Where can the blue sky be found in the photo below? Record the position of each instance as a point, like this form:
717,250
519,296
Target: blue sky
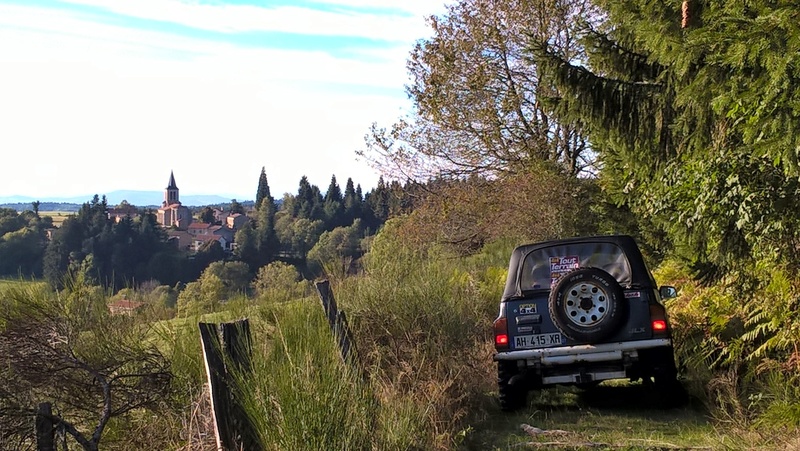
105,95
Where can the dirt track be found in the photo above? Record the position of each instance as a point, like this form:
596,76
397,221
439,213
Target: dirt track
619,416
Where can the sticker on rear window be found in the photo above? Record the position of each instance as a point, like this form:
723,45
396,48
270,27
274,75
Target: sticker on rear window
562,265
527,309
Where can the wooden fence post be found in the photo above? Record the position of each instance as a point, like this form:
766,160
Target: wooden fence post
45,432
338,323
226,349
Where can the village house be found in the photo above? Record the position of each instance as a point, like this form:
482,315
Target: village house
122,211
188,235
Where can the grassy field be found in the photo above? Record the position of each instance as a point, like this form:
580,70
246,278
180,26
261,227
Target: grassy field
7,283
58,216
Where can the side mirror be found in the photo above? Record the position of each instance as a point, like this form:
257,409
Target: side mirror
668,292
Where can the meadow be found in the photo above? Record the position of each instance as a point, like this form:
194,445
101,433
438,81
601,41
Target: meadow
425,380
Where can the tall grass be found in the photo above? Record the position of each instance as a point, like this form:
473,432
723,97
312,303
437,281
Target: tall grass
422,322
300,395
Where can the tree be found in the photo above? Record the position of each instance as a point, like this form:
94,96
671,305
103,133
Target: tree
235,276
336,249
202,296
10,221
93,367
207,215
236,207
352,203
378,202
308,202
278,281
21,252
263,193
247,245
695,124
334,205
297,235
266,241
476,95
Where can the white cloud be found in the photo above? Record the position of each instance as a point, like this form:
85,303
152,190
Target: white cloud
88,107
230,18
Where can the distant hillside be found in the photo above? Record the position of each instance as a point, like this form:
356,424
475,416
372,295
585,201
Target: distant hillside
138,198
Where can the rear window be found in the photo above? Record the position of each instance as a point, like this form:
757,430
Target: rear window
543,267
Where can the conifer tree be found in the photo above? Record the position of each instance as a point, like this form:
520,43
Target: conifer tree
694,120
334,206
352,202
263,188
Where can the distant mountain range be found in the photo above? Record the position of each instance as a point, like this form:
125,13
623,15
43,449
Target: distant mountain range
137,198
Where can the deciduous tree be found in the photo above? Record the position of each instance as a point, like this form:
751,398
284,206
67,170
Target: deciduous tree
477,95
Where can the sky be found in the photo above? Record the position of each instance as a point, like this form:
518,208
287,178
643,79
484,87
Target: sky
105,95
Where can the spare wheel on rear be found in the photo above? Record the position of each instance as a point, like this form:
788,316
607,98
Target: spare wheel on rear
587,305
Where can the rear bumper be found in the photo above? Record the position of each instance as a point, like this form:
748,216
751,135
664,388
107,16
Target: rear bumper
566,355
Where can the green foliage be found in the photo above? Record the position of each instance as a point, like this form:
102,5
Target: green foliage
279,282
198,298
297,234
420,316
694,126
22,243
737,343
773,327
121,252
234,276
301,396
336,250
263,192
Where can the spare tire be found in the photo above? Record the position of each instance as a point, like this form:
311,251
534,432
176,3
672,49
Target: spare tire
587,305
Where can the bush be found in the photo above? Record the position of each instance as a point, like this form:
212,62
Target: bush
279,282
421,318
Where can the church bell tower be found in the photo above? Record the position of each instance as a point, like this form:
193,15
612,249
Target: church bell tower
171,193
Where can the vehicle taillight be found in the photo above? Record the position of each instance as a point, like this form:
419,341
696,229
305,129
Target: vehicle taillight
501,333
658,319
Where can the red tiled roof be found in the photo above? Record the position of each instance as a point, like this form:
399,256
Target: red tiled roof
199,225
209,237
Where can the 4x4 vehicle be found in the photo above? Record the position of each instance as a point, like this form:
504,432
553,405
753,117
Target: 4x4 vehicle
579,311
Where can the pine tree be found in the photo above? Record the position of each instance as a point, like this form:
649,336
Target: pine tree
695,123
334,206
352,203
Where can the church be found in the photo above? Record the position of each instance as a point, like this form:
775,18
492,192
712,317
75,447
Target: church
172,213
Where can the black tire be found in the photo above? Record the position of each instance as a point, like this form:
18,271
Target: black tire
587,386
511,396
587,305
669,390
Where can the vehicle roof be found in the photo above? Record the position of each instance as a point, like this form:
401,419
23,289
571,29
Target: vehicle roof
640,275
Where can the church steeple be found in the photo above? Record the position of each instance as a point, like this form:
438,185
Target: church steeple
171,193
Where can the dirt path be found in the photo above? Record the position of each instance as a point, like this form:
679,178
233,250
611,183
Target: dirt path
621,416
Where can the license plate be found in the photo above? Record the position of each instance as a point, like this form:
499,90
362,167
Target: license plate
537,341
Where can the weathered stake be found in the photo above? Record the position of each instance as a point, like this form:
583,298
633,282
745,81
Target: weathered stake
338,323
222,359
